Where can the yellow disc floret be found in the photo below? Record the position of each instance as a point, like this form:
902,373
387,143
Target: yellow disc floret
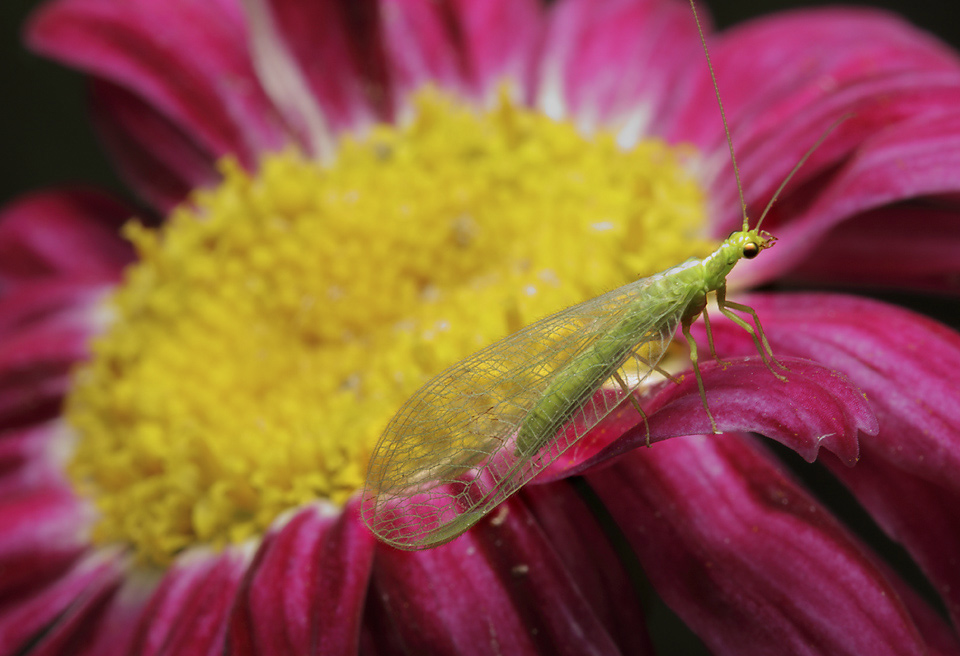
275,323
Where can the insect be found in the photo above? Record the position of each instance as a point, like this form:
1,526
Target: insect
476,433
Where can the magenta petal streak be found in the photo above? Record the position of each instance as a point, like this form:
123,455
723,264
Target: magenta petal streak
748,560
815,407
187,612
305,589
909,368
503,587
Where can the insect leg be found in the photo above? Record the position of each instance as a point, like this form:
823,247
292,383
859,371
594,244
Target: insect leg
763,346
713,351
663,372
685,324
634,402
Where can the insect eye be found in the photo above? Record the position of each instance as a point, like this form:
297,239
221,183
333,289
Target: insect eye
750,250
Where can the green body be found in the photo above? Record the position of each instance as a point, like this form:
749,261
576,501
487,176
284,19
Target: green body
677,295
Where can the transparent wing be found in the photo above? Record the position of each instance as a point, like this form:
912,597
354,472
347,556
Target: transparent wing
476,433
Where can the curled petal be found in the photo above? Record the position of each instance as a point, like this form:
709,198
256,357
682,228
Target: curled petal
747,559
304,591
907,365
500,588
814,407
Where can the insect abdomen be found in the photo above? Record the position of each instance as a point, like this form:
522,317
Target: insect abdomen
576,384
651,319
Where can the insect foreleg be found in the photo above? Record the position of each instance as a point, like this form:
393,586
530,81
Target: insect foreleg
634,402
759,339
694,359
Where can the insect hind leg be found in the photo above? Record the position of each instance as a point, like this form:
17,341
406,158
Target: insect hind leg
655,367
759,338
695,360
633,400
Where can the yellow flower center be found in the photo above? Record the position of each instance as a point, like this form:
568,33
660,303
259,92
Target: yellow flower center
273,326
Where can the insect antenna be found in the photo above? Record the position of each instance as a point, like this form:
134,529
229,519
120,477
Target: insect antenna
723,116
802,161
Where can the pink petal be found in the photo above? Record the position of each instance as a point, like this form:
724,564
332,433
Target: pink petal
916,513
496,39
188,612
469,47
748,560
806,55
581,543
816,67
815,407
907,365
335,49
422,44
196,71
54,301
72,234
502,587
79,590
914,247
44,535
31,459
909,368
941,640
106,628
305,589
912,159
615,61
99,623
34,372
40,347
153,154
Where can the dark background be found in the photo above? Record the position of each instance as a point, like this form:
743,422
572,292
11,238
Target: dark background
46,139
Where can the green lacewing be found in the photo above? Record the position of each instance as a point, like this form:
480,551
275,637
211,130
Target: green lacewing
480,430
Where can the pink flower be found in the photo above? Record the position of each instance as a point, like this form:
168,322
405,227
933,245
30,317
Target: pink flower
748,558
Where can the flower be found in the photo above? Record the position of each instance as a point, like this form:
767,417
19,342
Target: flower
197,494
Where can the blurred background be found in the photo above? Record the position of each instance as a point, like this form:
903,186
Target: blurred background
46,139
